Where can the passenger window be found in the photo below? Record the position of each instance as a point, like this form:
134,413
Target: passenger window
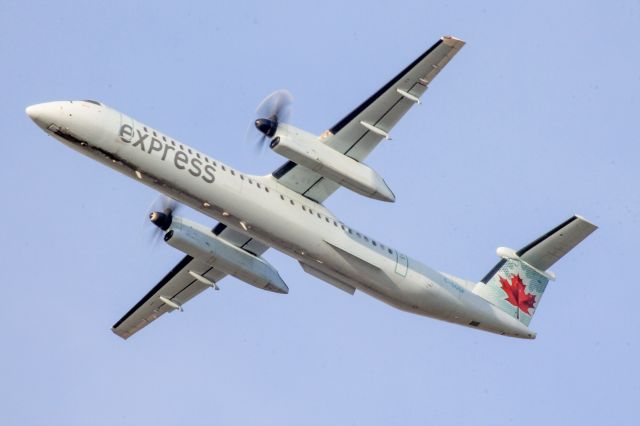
358,234
145,129
181,147
319,216
251,181
366,239
327,219
216,164
223,168
310,211
154,133
374,243
233,172
266,189
258,185
198,154
350,230
190,153
282,197
164,138
343,228
335,223
173,142
241,177
304,208
390,251
292,203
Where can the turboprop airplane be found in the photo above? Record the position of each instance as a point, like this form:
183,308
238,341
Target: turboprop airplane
285,210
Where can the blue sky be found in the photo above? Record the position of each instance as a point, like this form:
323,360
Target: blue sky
533,121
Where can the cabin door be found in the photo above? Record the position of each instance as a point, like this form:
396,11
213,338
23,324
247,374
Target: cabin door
402,264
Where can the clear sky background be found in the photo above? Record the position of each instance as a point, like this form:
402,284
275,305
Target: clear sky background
534,120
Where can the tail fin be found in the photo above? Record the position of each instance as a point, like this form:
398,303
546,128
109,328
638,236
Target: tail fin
517,282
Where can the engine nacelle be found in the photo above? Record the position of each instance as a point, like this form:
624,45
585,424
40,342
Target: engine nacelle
304,148
199,242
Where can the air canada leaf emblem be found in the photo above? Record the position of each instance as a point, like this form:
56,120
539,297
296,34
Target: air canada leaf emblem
517,295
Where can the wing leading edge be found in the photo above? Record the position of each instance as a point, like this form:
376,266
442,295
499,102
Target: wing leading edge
178,287
181,285
360,131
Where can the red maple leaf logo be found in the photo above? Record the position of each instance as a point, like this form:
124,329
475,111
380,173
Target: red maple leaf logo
517,295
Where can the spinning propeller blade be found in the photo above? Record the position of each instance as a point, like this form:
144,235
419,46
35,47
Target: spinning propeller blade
160,214
274,109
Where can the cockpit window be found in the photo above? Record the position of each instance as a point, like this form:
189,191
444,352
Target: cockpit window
92,102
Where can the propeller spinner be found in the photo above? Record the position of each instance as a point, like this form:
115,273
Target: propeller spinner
274,109
161,215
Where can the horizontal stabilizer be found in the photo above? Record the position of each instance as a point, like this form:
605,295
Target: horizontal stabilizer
549,248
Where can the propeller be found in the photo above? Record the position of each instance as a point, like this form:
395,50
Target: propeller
274,109
161,215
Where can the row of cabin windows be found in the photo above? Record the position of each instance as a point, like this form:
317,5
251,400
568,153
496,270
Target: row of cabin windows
335,223
242,177
198,155
304,208
248,179
319,215
310,210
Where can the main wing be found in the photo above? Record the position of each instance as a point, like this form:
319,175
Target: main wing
357,134
180,285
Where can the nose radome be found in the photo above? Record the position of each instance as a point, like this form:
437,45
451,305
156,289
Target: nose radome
33,111
41,114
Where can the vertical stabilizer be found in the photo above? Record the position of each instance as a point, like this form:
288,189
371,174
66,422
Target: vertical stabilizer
517,282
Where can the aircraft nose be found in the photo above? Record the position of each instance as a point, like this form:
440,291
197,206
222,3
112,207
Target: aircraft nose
33,111
40,114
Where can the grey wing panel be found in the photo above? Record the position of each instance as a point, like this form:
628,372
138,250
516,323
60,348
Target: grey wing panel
382,110
305,182
239,239
549,248
385,107
178,286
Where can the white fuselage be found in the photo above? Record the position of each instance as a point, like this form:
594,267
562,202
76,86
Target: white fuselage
271,213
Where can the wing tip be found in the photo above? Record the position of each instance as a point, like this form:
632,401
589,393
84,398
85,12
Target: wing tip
452,41
120,333
586,221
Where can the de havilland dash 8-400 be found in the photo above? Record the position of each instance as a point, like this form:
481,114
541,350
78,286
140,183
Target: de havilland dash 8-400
285,210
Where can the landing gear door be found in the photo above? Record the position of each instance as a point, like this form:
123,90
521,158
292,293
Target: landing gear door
402,264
